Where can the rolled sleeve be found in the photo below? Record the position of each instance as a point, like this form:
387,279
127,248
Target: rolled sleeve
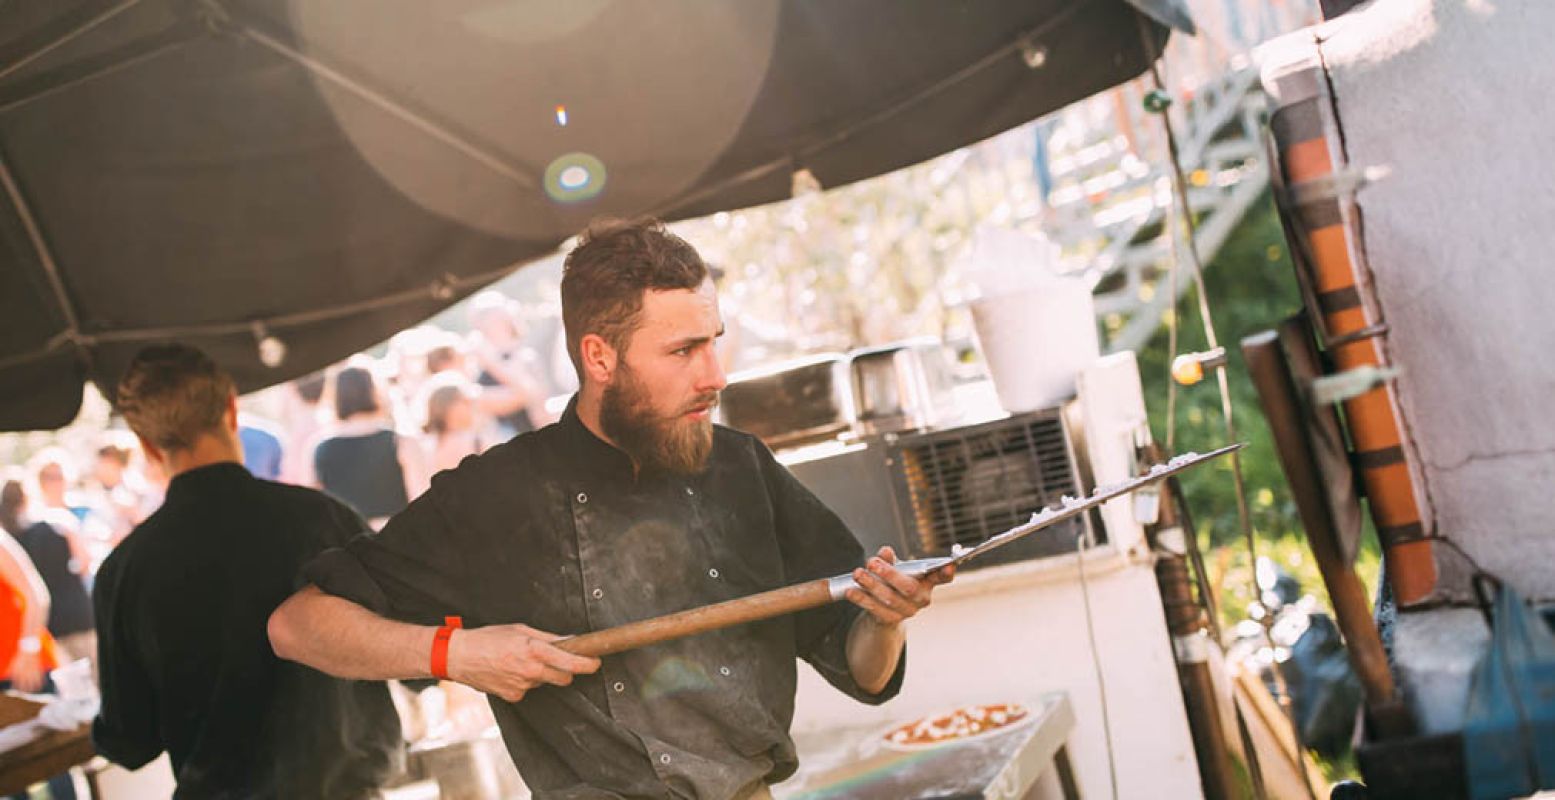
126,729
412,571
340,572
829,657
816,543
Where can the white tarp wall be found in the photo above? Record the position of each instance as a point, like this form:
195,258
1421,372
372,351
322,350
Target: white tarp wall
1454,98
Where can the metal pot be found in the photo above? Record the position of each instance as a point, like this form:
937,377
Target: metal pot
904,386
795,403
468,769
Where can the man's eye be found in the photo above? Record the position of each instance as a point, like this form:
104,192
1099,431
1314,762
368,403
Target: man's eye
684,351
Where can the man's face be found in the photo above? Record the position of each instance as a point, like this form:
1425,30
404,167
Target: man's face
108,472
499,327
51,484
461,415
659,402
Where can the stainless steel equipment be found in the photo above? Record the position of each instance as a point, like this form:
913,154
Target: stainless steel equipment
790,404
467,769
925,493
904,386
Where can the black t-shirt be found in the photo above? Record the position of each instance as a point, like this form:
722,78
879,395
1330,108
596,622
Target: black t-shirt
364,471
70,607
185,658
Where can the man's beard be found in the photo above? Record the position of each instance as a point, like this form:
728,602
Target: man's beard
671,443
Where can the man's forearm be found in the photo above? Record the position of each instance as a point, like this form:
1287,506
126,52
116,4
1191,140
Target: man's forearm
874,649
339,637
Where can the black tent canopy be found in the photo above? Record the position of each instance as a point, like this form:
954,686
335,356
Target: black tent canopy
328,172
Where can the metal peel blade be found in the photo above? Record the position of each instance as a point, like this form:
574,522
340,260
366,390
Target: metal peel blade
1051,515
822,591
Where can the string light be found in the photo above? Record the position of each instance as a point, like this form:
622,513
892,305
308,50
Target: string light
1033,54
804,182
272,351
1189,368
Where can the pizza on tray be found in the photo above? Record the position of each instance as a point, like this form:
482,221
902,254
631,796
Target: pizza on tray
963,723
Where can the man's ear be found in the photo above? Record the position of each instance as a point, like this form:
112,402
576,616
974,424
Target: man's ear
152,452
599,358
232,413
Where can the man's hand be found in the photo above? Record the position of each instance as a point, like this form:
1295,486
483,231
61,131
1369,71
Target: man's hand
27,672
509,660
888,595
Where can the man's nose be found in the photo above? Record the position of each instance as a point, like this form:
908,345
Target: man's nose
712,377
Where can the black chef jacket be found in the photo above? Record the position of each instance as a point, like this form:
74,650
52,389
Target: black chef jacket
555,530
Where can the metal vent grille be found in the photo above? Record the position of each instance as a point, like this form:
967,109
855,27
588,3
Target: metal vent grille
967,484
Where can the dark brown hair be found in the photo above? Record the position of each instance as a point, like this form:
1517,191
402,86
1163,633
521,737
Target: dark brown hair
310,387
605,276
12,499
441,357
355,392
441,394
171,394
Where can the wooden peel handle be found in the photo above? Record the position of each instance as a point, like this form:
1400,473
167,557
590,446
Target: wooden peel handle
756,607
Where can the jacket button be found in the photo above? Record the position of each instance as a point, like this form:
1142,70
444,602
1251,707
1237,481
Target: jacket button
582,498
619,686
664,759
712,573
598,593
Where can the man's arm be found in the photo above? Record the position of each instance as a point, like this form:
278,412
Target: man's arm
859,653
339,637
127,730
334,635
874,649
876,639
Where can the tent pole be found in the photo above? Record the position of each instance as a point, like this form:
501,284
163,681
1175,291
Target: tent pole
41,247
60,80
67,38
382,101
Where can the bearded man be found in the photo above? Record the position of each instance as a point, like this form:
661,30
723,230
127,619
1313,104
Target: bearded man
632,505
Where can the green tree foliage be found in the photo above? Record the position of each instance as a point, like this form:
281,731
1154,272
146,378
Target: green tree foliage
1252,287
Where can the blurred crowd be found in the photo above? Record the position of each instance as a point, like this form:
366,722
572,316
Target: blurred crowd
372,431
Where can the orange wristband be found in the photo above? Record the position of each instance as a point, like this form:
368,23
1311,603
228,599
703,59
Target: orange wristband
440,646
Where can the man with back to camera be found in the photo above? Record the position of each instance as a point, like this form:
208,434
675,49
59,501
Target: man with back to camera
182,606
632,505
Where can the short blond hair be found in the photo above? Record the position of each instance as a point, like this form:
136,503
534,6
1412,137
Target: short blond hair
171,394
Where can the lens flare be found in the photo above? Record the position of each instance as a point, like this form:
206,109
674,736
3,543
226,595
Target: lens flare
575,177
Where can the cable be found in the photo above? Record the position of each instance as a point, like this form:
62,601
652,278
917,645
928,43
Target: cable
1172,226
1222,380
1101,680
1452,545
1196,558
